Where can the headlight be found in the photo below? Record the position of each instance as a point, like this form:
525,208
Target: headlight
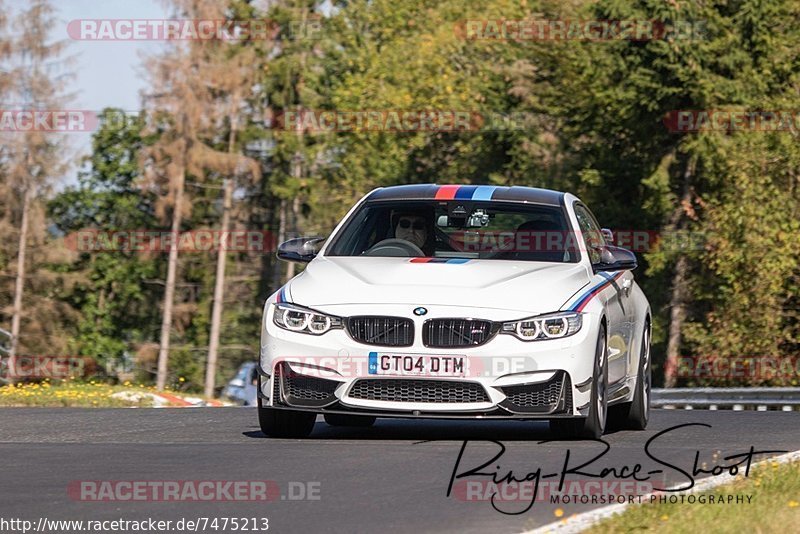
550,326
299,319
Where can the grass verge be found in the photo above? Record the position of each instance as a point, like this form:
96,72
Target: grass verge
67,393
774,507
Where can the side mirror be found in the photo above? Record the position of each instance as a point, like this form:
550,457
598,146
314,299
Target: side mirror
301,249
616,259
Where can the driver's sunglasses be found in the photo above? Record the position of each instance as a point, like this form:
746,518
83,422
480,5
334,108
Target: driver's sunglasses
405,224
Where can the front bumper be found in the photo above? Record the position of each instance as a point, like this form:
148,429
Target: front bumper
510,378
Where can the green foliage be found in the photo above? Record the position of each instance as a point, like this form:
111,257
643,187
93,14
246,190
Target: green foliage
114,292
747,284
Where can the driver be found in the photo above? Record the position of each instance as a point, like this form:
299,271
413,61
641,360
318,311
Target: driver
412,227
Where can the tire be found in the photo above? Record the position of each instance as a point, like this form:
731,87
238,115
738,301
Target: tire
634,415
594,425
283,423
335,419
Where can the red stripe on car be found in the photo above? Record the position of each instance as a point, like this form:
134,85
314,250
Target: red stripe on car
447,192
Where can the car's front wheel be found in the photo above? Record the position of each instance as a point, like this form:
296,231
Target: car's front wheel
283,423
594,425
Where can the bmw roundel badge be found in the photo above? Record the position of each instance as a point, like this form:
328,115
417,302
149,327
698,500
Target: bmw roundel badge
420,311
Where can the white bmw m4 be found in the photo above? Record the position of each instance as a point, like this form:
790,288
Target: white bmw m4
458,302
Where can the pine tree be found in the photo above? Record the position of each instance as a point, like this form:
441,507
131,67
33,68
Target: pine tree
34,159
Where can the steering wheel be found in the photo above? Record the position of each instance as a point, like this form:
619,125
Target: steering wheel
394,248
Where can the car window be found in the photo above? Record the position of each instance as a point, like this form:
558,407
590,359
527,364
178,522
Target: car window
592,236
458,229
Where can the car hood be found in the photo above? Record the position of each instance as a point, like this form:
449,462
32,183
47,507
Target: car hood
535,287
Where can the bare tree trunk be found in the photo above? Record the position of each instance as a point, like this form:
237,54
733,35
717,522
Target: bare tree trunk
219,294
169,291
19,284
677,317
679,297
219,280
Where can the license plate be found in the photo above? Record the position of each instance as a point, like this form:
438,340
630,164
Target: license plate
416,365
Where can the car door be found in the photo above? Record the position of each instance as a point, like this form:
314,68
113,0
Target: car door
616,298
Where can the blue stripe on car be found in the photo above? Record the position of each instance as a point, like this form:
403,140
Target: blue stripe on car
484,192
465,192
590,293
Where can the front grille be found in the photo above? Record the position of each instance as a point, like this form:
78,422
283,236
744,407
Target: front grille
301,390
308,387
544,396
406,390
454,333
379,330
534,395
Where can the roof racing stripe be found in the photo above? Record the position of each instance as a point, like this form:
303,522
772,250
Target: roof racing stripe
484,192
465,192
468,192
447,192
406,192
528,194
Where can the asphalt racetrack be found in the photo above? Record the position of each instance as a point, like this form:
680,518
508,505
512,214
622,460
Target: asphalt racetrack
392,477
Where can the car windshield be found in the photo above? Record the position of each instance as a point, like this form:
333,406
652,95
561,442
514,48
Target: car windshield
457,229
